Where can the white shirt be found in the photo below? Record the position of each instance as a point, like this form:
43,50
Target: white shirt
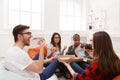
55,53
79,51
16,60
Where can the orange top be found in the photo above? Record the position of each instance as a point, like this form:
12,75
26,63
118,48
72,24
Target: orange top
117,77
33,51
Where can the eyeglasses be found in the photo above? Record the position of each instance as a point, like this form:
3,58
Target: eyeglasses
29,33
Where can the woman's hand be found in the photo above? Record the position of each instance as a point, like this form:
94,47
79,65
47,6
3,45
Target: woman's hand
65,47
53,49
54,58
65,63
50,59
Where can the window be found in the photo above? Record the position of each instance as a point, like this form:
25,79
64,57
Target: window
70,15
26,12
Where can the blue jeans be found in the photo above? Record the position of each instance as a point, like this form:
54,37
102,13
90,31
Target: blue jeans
49,68
83,64
76,67
36,57
87,56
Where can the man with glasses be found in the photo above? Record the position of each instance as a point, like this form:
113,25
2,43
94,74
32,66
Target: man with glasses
18,61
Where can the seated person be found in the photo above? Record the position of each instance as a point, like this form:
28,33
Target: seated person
106,64
77,50
18,61
54,48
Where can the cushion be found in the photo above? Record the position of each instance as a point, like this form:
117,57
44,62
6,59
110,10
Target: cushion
117,77
8,75
2,65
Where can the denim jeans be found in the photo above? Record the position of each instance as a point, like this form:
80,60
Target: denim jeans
83,64
49,70
79,67
76,67
36,57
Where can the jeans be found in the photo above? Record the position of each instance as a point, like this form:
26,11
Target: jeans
49,70
83,64
36,57
76,67
87,56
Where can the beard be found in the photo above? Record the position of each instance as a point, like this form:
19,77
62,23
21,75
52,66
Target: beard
26,42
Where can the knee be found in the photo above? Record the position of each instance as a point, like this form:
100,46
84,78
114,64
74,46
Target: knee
56,62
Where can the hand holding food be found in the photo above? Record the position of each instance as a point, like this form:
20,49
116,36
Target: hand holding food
53,49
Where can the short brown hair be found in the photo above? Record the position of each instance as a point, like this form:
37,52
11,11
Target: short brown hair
18,29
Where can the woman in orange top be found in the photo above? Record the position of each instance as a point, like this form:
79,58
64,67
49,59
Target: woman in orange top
35,50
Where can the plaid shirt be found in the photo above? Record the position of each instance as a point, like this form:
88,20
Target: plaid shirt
90,73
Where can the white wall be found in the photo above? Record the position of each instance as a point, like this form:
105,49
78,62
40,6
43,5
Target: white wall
51,15
51,23
111,20
6,40
1,12
111,8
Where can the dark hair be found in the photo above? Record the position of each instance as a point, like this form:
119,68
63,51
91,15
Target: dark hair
108,61
53,42
76,37
88,46
18,30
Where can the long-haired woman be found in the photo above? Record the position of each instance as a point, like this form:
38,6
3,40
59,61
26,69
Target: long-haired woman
106,64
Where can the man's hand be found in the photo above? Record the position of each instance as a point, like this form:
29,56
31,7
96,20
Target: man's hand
41,42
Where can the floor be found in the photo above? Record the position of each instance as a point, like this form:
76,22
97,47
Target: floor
62,78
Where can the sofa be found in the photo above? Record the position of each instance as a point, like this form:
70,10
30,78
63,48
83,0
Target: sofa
8,75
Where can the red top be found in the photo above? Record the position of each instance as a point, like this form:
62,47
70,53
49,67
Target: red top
90,73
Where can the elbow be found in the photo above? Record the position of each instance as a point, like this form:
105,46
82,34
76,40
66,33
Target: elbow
39,70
